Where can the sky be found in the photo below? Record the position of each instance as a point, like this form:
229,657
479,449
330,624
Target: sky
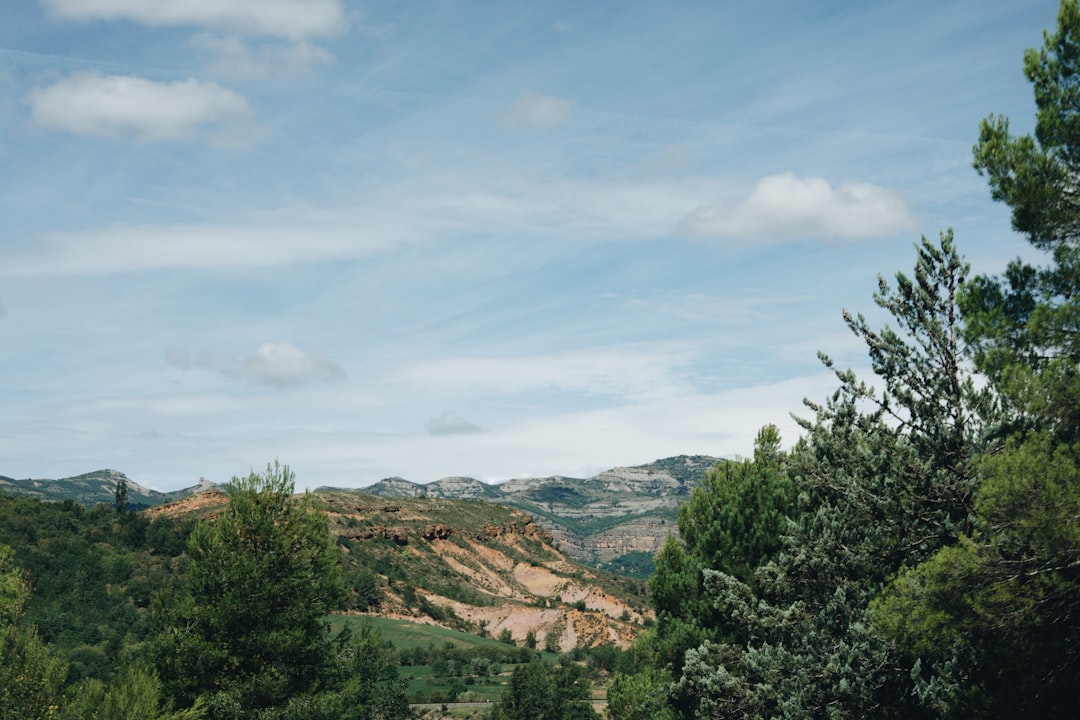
429,238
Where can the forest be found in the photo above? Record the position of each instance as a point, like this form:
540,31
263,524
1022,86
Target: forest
914,554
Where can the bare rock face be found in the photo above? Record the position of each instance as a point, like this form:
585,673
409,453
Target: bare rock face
482,567
645,535
399,535
619,511
459,488
437,532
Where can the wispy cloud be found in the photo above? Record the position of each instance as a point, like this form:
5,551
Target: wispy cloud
537,111
293,19
374,222
450,423
117,105
784,207
276,364
623,372
233,58
133,248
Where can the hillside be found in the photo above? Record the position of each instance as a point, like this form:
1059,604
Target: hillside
617,519
465,564
621,512
94,487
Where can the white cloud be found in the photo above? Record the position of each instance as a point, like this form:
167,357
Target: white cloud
234,58
115,105
788,207
450,423
133,248
539,111
277,364
293,19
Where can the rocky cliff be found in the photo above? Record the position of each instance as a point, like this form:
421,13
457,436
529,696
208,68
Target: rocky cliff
620,511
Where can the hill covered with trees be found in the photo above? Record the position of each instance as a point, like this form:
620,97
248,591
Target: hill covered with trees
172,607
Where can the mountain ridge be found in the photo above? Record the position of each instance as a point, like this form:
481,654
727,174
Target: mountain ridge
618,512
623,511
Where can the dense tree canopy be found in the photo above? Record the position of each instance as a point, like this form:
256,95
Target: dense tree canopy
244,629
538,691
931,566
31,675
998,616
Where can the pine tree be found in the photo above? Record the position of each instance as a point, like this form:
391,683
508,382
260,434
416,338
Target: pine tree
884,478
245,626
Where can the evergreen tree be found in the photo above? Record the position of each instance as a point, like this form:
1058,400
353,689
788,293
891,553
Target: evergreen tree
884,479
731,522
538,691
996,619
120,497
245,625
135,692
1037,176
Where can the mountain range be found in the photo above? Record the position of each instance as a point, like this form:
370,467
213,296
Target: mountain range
617,519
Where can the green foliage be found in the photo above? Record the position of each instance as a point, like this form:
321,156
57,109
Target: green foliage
994,618
733,522
370,687
1036,176
120,497
133,693
639,696
538,691
560,494
639,686
637,564
93,575
31,675
885,478
244,627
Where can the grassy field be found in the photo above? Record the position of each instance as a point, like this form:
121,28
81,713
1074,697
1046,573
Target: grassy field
407,635
438,682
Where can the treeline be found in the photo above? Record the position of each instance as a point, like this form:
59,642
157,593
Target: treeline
107,615
90,576
916,554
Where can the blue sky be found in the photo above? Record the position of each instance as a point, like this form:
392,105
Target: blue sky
442,238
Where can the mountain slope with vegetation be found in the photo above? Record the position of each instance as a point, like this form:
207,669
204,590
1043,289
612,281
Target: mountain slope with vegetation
92,488
617,519
611,519
146,608
471,565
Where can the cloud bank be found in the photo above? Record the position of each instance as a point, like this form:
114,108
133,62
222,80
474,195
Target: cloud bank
275,364
293,19
787,207
115,105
